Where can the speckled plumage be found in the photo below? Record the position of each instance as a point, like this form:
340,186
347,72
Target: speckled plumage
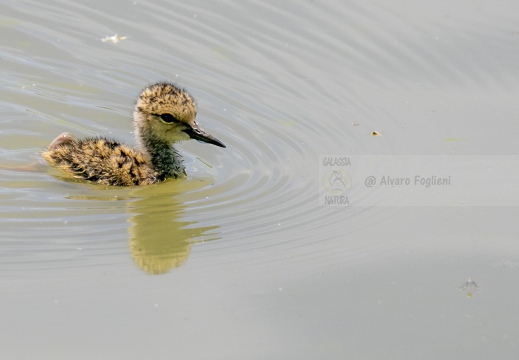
164,114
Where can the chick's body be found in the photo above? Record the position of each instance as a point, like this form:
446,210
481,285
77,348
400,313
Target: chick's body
103,161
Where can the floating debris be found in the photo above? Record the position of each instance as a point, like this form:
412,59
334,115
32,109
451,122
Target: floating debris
115,38
375,133
469,287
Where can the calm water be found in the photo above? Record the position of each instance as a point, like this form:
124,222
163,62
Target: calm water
240,261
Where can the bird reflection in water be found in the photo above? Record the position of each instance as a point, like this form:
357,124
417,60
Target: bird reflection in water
159,239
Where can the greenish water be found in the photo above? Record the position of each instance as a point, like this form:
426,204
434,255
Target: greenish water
240,261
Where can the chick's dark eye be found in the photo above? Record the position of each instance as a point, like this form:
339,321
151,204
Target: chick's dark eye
168,118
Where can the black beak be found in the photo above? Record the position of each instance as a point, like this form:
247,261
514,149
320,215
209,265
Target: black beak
198,134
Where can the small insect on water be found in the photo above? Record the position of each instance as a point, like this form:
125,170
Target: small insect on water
469,287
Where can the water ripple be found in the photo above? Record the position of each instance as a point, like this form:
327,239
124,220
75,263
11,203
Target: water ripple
278,93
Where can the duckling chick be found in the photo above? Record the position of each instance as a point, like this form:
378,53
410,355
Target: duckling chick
164,114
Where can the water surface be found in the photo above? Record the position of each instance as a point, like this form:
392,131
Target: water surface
239,261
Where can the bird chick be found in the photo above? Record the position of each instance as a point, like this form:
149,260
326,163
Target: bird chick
164,114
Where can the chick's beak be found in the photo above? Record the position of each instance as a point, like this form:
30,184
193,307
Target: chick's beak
198,134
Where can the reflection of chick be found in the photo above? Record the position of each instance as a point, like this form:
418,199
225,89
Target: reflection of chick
159,240
164,114
159,254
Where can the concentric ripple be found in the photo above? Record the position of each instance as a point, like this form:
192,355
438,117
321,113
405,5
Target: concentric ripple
273,89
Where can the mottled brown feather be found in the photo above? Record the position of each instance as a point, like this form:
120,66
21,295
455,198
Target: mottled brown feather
103,161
